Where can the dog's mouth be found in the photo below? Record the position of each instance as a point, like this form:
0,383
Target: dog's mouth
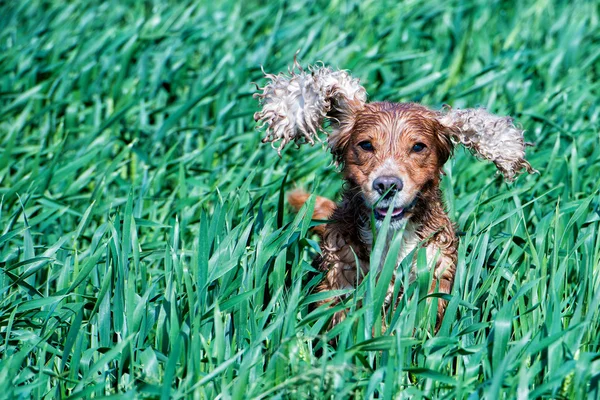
381,212
397,213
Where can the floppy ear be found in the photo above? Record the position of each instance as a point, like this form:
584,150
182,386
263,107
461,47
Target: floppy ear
489,136
294,107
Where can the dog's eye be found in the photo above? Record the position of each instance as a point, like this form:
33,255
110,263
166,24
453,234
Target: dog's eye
366,146
417,148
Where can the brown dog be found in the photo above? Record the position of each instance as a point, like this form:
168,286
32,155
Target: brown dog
392,156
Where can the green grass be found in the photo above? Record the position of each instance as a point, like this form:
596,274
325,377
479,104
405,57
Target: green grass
145,248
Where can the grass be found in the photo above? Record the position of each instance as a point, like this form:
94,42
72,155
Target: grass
146,250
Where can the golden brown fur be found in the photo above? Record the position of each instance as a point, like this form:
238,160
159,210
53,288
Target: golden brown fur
323,210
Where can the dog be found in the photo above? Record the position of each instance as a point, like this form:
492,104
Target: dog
391,156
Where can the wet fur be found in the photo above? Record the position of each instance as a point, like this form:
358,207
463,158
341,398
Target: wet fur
294,109
344,237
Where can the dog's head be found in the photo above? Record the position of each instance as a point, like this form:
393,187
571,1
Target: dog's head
390,151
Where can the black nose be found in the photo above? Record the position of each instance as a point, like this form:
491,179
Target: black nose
385,183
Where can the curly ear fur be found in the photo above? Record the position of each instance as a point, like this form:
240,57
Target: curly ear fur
489,136
294,107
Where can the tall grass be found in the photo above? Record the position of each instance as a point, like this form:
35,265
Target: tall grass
146,250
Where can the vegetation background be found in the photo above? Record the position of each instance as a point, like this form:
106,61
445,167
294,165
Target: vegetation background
145,247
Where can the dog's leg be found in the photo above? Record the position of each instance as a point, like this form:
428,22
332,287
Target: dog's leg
339,276
443,281
339,261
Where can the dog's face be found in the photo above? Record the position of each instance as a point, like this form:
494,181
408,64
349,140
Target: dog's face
393,152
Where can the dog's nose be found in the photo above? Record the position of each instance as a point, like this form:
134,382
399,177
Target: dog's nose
385,183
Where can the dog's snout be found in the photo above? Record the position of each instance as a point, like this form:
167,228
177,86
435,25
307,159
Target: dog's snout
389,184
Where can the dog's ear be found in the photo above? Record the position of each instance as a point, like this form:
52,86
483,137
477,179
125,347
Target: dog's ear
444,145
489,136
294,107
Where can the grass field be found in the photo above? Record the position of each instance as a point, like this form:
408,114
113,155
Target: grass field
146,250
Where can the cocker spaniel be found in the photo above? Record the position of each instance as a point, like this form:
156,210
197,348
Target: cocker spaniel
391,156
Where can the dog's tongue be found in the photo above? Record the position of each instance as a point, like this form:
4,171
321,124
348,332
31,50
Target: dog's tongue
395,211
